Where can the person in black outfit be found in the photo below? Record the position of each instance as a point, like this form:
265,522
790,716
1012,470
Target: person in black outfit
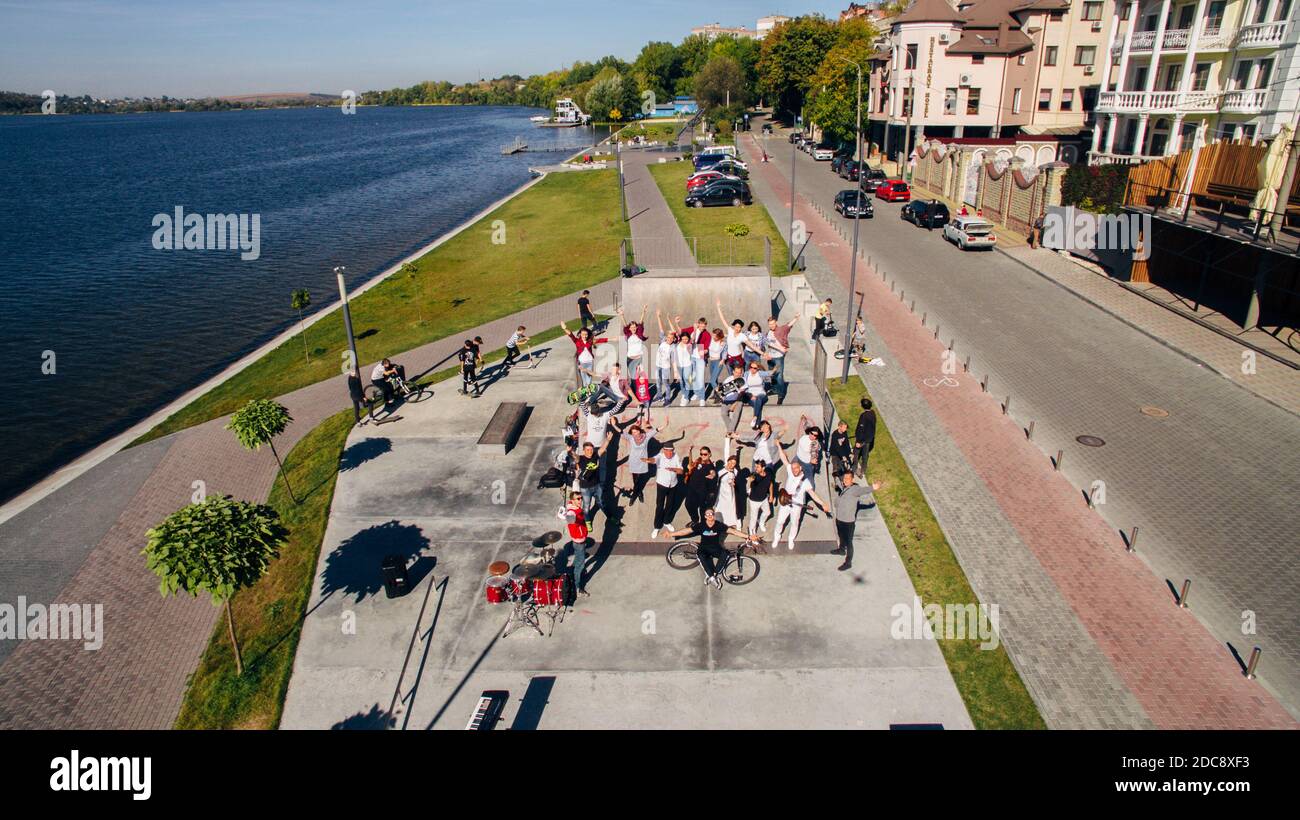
711,553
841,452
468,357
864,437
701,485
761,496
584,309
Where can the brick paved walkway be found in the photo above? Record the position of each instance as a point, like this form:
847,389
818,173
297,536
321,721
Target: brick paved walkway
1177,673
151,644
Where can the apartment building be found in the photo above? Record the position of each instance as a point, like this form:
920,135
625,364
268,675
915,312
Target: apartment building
763,27
988,68
1186,73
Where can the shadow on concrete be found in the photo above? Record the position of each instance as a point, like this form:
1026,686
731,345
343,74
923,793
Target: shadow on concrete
373,719
363,451
465,678
534,702
353,567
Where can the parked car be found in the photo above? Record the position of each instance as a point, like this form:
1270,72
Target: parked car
926,213
823,153
893,190
794,137
872,179
853,203
849,170
703,177
837,161
725,150
719,192
733,167
968,232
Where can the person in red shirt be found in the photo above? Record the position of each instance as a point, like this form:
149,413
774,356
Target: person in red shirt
584,343
579,538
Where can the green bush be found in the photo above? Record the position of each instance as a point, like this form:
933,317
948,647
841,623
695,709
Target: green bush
1096,188
737,229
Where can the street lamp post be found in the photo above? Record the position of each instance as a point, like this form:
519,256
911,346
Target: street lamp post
347,321
794,162
857,221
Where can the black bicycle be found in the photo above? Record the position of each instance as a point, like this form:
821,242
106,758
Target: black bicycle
403,390
741,567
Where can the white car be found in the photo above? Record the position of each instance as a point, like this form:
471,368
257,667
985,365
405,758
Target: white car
968,232
823,153
728,150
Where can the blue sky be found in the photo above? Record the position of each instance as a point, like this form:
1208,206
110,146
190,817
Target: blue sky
213,47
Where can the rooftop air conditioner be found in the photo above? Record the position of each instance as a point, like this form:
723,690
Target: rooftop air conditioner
1096,26
1089,69
943,38
964,79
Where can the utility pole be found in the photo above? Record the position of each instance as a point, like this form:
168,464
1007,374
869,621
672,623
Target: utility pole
907,136
857,221
354,387
622,185
794,161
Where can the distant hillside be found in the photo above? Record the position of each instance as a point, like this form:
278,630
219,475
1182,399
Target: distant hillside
14,102
282,97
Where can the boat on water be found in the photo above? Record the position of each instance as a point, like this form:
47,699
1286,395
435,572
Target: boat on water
567,115
539,118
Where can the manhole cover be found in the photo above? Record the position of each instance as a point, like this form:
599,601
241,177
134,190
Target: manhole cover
1089,441
1155,412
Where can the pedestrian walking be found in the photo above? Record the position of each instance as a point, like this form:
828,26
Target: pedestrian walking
584,309
512,346
468,357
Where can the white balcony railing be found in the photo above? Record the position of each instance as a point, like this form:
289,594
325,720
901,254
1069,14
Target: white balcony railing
1262,35
1244,102
1139,102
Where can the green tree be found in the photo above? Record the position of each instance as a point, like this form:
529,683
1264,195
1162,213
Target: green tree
218,546
657,69
833,98
258,423
720,83
791,55
300,301
612,96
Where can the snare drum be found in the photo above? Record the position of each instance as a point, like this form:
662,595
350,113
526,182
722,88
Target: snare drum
496,590
520,582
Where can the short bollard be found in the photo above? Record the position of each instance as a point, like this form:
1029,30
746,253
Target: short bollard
984,385
1006,406
936,330
1029,434
966,367
1182,596
1254,661
924,316
1060,456
1132,540
913,307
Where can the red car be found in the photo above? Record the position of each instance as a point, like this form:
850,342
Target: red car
893,190
697,179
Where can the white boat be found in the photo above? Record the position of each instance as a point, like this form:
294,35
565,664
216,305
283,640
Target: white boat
567,115
539,118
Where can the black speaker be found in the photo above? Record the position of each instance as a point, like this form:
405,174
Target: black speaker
396,581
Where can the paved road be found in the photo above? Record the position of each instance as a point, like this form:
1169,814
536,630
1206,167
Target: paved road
1212,486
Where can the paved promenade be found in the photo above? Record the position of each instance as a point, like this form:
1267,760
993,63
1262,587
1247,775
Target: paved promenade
1093,631
82,544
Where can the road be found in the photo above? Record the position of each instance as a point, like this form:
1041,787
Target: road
1212,486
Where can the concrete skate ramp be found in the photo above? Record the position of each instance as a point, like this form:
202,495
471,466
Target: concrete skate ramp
746,294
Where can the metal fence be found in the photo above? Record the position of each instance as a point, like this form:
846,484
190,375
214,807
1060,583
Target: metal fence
698,251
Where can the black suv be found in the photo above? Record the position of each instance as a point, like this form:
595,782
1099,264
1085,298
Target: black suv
871,181
848,170
854,204
926,213
719,192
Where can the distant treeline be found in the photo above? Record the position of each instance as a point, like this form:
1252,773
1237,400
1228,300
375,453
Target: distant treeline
13,102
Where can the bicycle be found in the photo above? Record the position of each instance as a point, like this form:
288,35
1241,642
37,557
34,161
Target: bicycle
402,389
741,566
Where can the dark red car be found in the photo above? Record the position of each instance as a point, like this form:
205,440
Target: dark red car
893,190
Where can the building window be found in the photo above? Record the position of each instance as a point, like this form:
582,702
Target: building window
1085,55
1214,17
1092,11
1123,12
1056,15
907,102
1201,77
909,61
1015,101
1067,99
1020,60
1049,55
950,101
1044,99
1265,74
977,59
1248,132
973,101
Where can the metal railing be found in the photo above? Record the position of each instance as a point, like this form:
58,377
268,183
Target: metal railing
698,251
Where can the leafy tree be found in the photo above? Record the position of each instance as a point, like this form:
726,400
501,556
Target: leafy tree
612,96
300,301
258,423
219,546
791,55
833,99
657,69
719,84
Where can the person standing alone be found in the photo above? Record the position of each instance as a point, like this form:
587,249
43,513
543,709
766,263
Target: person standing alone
864,438
584,309
849,495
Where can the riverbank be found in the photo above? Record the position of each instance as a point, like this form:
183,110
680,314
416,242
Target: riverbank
533,226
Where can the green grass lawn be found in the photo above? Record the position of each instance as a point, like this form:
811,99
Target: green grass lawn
654,130
268,616
708,224
992,690
561,235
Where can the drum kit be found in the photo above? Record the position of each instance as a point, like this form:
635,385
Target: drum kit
533,588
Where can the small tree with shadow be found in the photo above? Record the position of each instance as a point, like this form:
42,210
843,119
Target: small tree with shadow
219,547
300,301
258,423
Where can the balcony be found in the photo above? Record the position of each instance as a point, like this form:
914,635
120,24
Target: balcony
1262,35
1154,102
1244,102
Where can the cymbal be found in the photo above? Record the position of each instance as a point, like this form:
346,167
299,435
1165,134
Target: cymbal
527,570
545,571
498,568
547,538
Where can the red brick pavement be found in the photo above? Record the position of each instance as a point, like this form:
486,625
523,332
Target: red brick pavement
136,680
1179,673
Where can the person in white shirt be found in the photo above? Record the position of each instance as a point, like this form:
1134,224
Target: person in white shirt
685,365
735,338
756,392
380,375
808,449
664,362
637,439
668,472
634,333
795,492
717,345
726,503
699,367
762,440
